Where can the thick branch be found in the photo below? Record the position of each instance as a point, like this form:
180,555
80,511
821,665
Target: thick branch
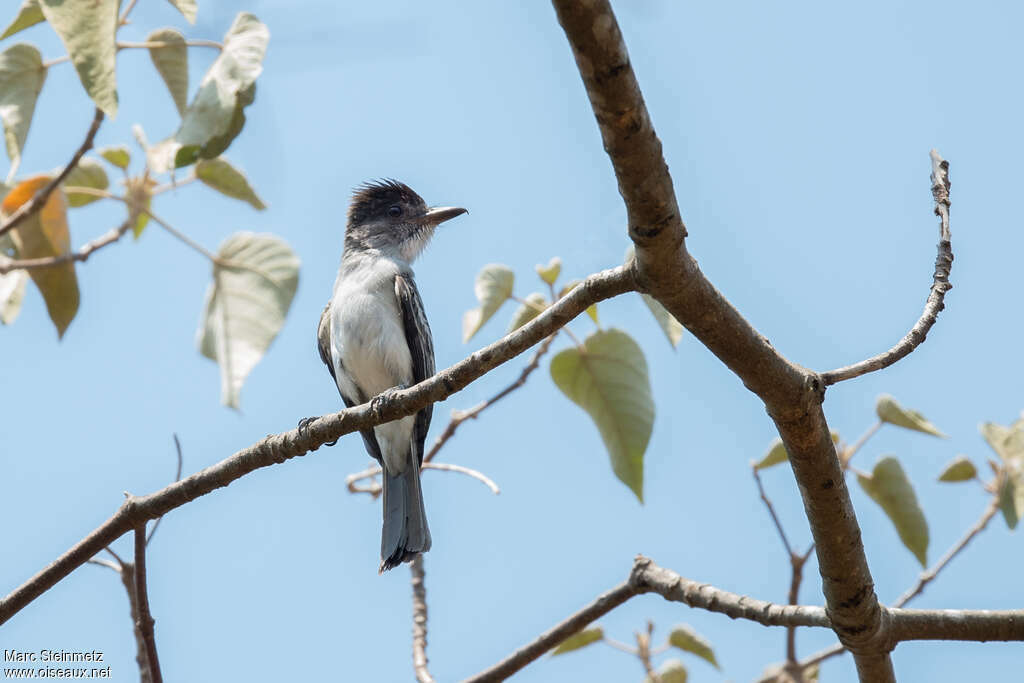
144,616
792,395
940,285
40,197
278,448
82,254
419,621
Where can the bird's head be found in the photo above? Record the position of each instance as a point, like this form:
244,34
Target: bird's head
389,217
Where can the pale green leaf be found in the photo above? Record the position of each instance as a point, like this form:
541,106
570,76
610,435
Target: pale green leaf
118,155
534,306
591,309
139,193
88,35
21,78
889,487
585,637
172,63
608,379
549,273
12,285
776,454
88,173
188,9
961,469
222,176
671,671
672,328
246,305
216,115
890,411
45,234
29,14
493,287
1007,442
1011,495
685,638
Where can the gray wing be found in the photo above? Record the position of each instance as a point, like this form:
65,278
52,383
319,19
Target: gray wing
323,343
421,348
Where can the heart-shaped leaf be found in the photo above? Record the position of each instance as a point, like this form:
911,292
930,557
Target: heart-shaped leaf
45,234
534,306
1011,494
549,273
1007,442
222,176
21,78
574,642
88,35
216,115
608,378
171,61
889,487
246,305
890,411
493,287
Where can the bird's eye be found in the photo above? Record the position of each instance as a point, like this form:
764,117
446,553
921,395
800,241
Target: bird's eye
395,211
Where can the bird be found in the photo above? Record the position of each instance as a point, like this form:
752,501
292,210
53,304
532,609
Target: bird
374,338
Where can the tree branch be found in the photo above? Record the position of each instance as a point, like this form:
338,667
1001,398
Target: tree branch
40,197
82,254
277,448
145,618
792,395
419,621
940,285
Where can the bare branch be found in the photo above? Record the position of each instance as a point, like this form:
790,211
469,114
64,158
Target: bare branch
940,285
177,477
105,563
419,621
771,511
479,476
277,448
82,254
604,603
40,197
145,618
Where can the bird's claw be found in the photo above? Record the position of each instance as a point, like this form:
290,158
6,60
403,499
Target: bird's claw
304,427
382,400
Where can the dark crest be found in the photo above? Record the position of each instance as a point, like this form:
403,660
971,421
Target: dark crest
373,199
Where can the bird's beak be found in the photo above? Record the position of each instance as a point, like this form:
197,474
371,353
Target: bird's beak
439,214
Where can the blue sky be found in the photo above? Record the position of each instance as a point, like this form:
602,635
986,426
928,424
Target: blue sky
797,135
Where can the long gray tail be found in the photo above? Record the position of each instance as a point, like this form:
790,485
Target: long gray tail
405,531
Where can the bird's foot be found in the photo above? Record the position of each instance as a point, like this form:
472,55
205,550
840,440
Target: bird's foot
385,398
304,427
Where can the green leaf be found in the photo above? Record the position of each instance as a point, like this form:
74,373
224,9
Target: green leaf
591,309
217,115
188,9
672,328
493,286
45,234
21,78
172,63
574,642
1011,495
222,176
671,671
685,638
549,273
961,469
246,305
88,173
29,14
534,306
892,412
776,454
138,191
88,35
12,285
608,378
1007,442
118,155
889,487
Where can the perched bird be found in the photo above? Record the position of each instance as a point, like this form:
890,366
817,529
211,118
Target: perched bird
374,337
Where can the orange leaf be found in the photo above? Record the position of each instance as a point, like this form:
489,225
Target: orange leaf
45,234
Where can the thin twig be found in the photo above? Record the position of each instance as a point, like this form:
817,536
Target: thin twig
848,453
643,652
419,621
177,477
40,197
145,618
157,44
479,476
374,487
797,563
127,10
82,254
622,647
771,511
940,285
105,563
